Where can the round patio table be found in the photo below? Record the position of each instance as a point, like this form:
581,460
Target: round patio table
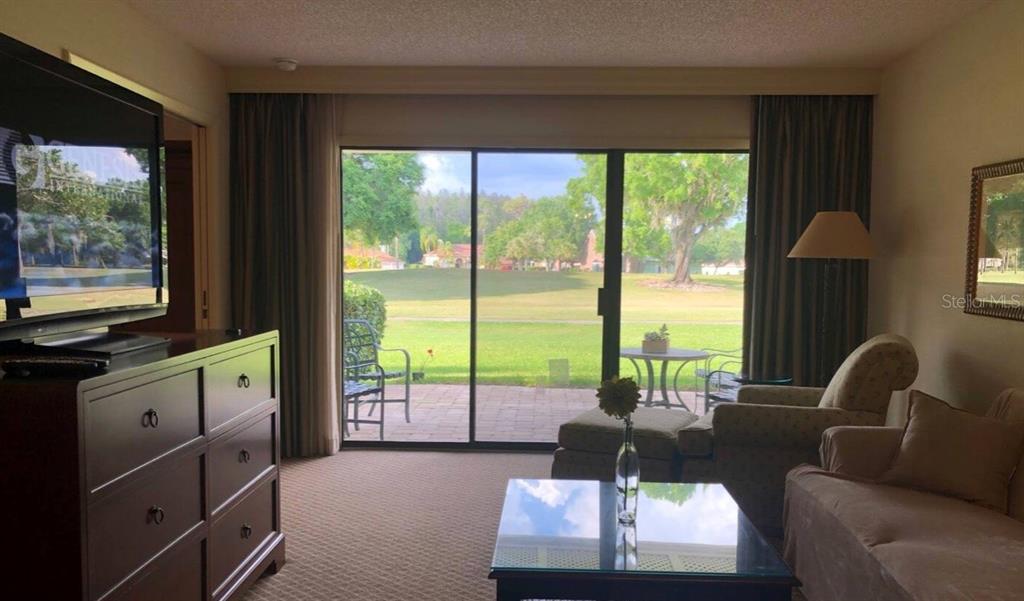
683,356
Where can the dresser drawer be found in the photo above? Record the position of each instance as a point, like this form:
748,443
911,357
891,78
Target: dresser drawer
130,527
240,532
178,576
237,459
237,384
133,427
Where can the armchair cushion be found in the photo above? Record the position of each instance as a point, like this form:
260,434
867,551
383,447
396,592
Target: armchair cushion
781,426
867,378
794,396
860,451
953,452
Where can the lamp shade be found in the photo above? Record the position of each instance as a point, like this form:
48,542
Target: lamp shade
834,235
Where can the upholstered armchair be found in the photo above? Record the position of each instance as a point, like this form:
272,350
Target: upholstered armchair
772,429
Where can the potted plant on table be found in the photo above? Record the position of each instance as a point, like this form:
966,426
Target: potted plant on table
656,341
619,397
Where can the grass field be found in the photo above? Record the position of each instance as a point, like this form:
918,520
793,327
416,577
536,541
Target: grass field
1002,277
529,318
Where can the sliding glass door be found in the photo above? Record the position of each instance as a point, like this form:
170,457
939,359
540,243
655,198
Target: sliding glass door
407,270
482,271
683,238
538,336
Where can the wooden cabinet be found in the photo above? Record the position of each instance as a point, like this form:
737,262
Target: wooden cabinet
155,481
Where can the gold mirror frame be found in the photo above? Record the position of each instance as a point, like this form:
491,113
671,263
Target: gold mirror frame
980,246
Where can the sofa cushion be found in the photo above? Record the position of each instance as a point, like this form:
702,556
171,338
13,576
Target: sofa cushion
953,452
1009,406
696,440
654,431
851,539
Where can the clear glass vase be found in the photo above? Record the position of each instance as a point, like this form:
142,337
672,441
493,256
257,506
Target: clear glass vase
627,477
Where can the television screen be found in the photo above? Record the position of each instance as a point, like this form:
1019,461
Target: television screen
80,213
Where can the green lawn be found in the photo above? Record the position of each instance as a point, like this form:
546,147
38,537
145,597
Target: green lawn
1002,277
529,318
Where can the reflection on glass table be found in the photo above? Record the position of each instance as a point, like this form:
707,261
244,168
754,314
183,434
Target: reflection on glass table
681,529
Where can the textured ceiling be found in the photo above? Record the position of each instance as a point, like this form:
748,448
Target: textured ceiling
556,33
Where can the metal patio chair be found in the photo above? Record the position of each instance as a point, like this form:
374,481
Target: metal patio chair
365,378
716,377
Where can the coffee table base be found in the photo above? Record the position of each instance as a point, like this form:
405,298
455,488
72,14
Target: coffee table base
576,586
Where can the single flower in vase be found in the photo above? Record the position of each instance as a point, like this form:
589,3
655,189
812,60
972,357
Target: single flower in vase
619,397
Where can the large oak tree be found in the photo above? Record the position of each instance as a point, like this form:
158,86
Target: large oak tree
671,200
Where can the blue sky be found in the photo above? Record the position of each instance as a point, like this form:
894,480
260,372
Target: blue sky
532,174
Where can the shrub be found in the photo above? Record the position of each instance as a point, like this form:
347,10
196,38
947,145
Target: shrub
357,262
364,302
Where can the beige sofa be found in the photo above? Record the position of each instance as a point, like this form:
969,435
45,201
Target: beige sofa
849,538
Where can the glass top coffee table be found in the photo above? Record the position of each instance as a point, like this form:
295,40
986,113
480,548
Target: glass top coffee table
560,539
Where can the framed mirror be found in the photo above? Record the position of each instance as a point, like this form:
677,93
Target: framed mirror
995,242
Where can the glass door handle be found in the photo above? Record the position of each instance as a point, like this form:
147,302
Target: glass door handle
600,302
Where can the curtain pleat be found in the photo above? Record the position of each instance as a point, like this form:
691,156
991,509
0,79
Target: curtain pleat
285,252
807,154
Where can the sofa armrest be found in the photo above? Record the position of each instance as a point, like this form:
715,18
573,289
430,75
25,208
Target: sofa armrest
859,451
782,426
791,396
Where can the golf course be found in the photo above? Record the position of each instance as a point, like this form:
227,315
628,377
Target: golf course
528,318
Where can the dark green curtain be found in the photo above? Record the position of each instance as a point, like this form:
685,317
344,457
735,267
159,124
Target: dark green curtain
807,154
286,252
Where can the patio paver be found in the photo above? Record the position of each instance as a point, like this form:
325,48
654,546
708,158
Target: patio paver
440,413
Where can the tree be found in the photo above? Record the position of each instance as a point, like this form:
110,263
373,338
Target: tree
680,194
64,216
721,245
550,229
379,194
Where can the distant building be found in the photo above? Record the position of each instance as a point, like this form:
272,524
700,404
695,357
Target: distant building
377,258
730,268
594,260
460,256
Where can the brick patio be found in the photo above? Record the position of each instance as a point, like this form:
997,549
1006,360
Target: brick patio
440,413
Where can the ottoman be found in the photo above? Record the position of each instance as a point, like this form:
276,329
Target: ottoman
589,443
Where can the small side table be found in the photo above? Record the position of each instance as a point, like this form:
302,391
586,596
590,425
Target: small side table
729,395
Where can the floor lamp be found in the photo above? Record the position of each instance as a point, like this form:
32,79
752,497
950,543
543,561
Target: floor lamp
833,236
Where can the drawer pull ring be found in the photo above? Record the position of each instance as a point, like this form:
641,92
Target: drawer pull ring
246,530
243,381
244,456
156,514
150,419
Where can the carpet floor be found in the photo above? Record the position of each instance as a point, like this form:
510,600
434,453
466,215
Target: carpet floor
382,525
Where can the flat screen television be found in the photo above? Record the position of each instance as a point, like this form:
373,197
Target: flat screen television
81,222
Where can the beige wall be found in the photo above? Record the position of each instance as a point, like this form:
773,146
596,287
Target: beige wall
955,103
644,122
116,37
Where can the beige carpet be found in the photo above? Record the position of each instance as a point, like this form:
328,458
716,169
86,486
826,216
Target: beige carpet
381,525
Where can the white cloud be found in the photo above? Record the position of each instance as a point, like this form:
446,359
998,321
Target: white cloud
546,491
441,172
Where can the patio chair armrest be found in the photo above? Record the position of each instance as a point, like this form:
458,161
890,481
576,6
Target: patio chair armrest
791,396
396,350
859,450
781,426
